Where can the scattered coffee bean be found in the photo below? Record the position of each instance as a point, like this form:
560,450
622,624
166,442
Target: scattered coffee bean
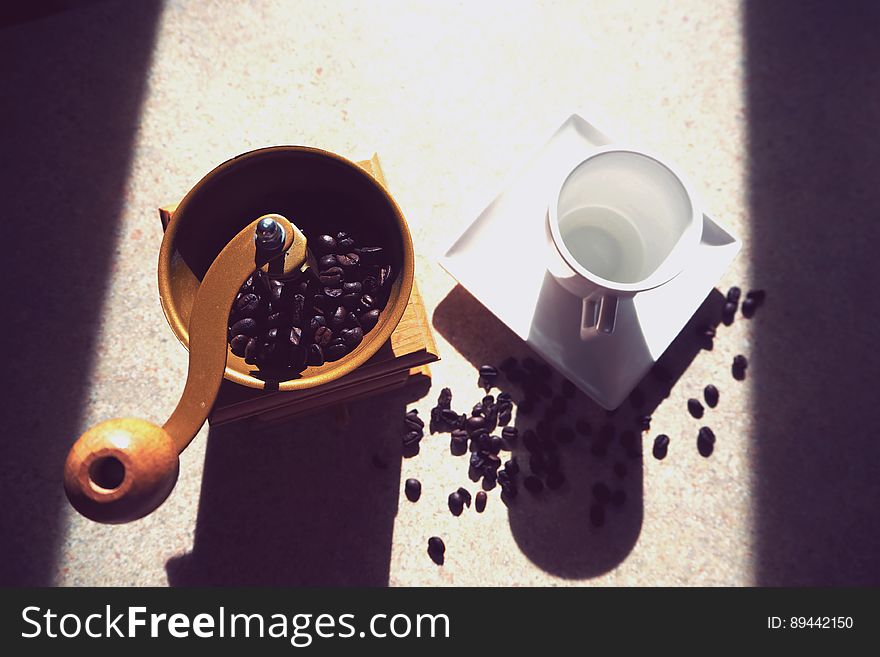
436,550
728,313
738,369
480,503
644,422
533,484
456,503
601,492
411,438
749,306
597,515
733,294
661,445
710,394
413,489
509,434
465,496
757,295
705,441
695,408
512,466
488,376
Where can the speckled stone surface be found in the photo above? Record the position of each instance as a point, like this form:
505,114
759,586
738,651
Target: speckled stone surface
123,108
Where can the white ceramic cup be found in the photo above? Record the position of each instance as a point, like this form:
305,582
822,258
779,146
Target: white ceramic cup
622,221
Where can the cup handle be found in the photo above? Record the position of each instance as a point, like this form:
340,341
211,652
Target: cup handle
599,315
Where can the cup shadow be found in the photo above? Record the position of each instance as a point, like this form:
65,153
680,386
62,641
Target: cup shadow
310,502
554,528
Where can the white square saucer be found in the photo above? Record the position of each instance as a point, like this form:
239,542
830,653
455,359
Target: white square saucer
547,317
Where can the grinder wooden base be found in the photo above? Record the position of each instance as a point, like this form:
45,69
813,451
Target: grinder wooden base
401,360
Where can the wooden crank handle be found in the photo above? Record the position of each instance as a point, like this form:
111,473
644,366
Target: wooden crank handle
122,469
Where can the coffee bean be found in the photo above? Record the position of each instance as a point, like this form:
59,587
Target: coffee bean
465,496
456,503
331,277
328,261
369,319
238,344
247,304
352,337
385,275
413,489
246,326
661,445
728,312
705,441
512,466
339,316
620,469
372,255
295,336
733,294
323,245
738,369
510,434
757,295
335,351
488,375
445,398
475,423
333,292
710,394
533,484
323,336
644,422
277,320
250,351
568,388
480,503
555,479
370,284
618,497
436,550
348,260
315,355
749,306
504,416
365,303
496,444
597,515
695,408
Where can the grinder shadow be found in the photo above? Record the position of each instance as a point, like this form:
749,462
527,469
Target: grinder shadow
554,528
307,503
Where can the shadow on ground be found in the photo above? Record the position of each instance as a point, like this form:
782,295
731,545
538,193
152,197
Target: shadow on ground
310,502
74,83
554,528
813,109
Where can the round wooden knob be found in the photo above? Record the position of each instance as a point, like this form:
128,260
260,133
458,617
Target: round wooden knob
120,470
